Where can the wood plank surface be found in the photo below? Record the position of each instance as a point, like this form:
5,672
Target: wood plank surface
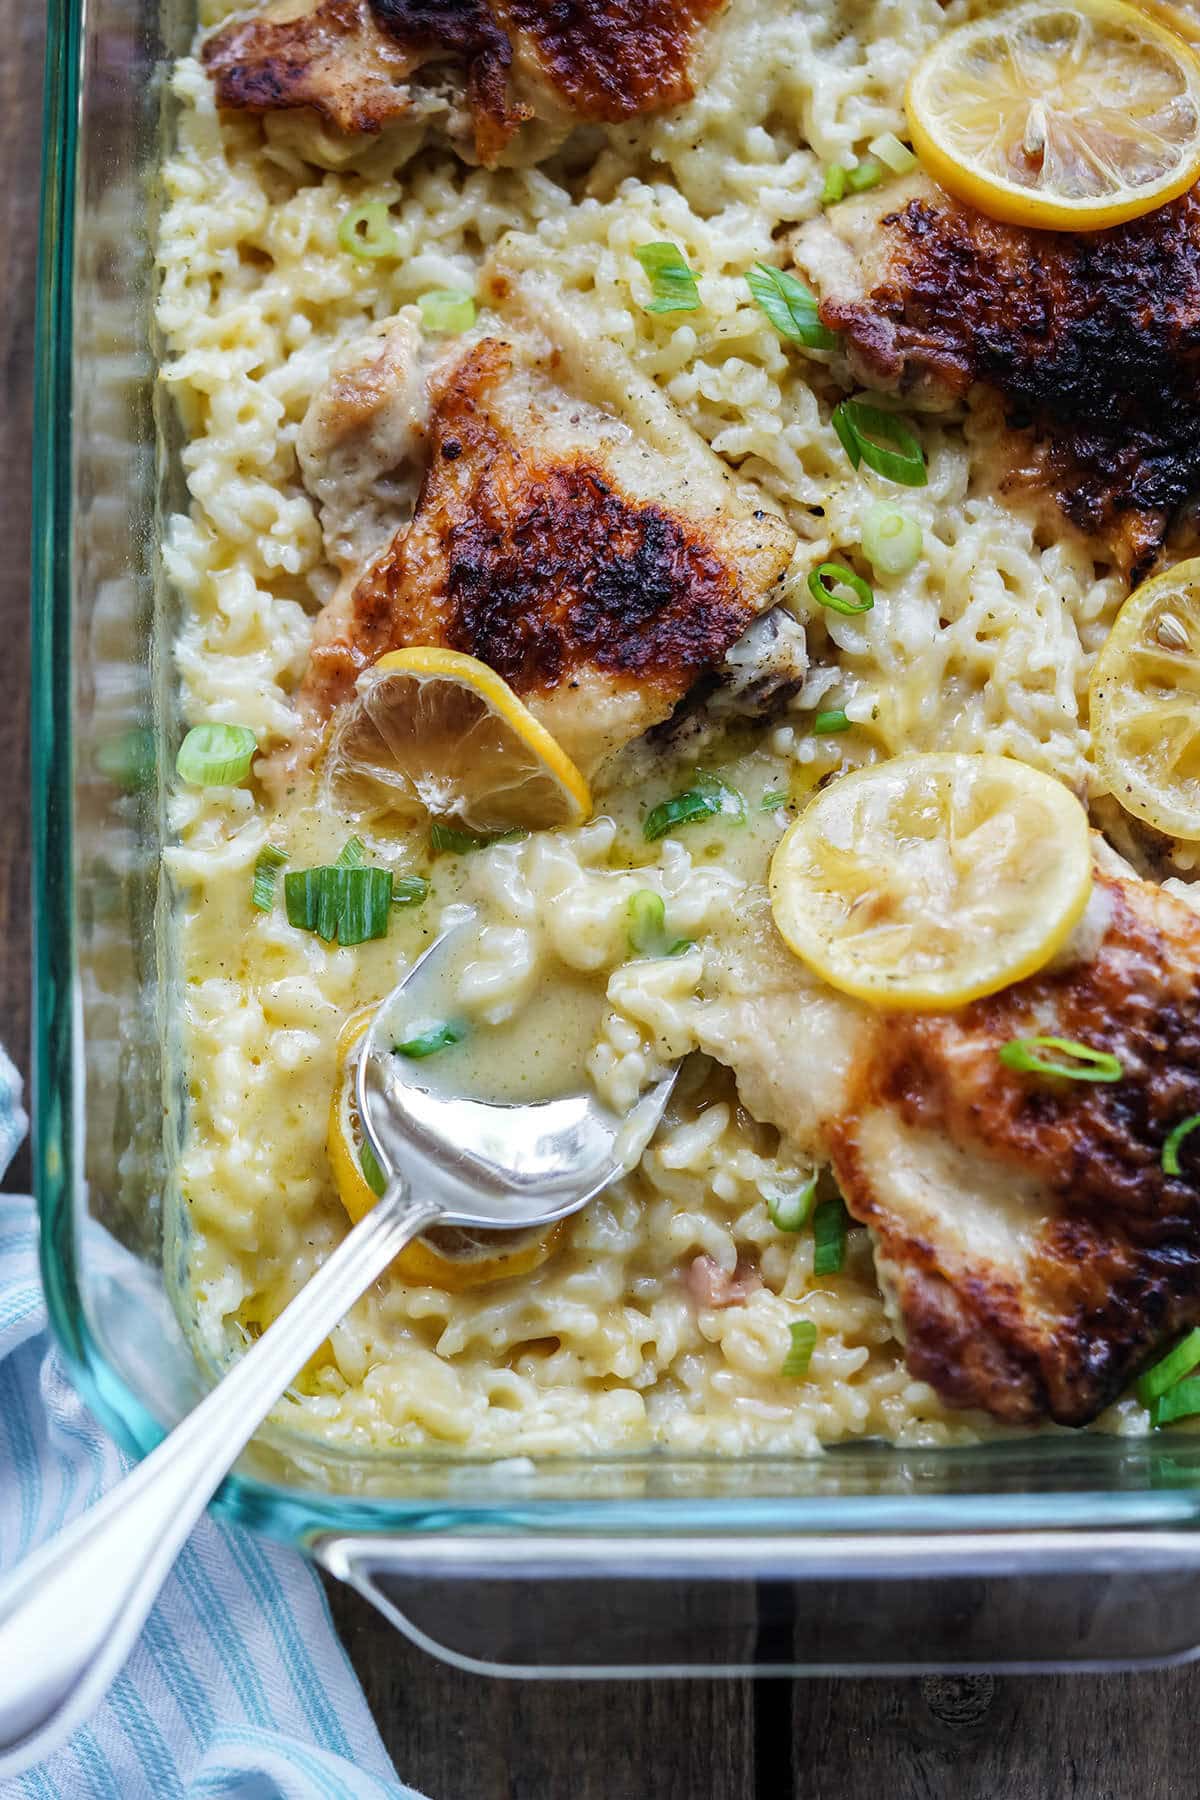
462,1737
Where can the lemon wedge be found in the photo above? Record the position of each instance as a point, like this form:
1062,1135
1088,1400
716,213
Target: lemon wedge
931,880
1064,116
431,732
447,1257
1145,703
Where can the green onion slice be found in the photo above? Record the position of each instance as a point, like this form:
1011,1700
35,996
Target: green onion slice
790,307
826,723
1172,1368
648,927
788,1209
353,854
365,905
892,153
840,589
128,759
1027,1056
372,1173
428,1043
216,755
709,798
461,841
409,890
1180,1402
366,232
450,310
866,174
266,874
891,541
880,439
830,1224
672,281
804,1338
349,904
834,188
773,798
1170,1150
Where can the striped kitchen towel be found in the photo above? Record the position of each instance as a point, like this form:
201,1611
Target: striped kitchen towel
238,1685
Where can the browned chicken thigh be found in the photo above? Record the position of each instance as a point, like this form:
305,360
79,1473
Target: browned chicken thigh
1091,340
477,70
594,552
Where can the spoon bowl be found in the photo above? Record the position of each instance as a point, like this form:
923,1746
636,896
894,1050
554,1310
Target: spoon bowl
491,1164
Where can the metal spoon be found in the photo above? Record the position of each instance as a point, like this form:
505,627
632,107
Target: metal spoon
71,1613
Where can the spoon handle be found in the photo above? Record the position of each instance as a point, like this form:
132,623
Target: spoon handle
71,1613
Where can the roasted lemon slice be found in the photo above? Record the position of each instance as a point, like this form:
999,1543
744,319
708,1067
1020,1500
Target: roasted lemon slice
1068,116
447,1257
433,733
1182,16
930,880
1145,703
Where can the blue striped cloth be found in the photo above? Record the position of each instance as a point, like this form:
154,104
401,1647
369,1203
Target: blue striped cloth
239,1685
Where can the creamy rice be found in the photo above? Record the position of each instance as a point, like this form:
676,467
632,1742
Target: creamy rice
985,645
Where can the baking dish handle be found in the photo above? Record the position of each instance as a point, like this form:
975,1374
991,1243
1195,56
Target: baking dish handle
531,1604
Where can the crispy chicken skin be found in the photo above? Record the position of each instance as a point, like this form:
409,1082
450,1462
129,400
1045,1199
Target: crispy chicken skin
1091,340
1036,1253
483,68
599,567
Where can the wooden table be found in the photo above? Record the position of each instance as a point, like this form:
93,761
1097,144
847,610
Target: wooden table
458,1737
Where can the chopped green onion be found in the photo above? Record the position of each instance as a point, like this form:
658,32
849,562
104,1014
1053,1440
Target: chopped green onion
790,307
830,1223
1170,1150
1172,1368
266,874
408,890
352,855
372,1173
866,174
891,541
461,841
828,582
128,759
428,1043
825,724
880,439
1180,1402
331,894
789,1210
349,904
366,231
216,755
673,283
648,927
706,800
365,903
835,184
447,309
804,1338
773,798
892,153
1025,1055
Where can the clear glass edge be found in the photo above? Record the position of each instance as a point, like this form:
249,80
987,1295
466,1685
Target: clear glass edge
287,1514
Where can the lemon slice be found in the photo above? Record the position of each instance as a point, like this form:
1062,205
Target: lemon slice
447,1257
1073,117
930,880
1145,703
431,732
1182,16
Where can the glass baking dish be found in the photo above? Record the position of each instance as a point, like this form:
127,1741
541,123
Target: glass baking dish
1064,1549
